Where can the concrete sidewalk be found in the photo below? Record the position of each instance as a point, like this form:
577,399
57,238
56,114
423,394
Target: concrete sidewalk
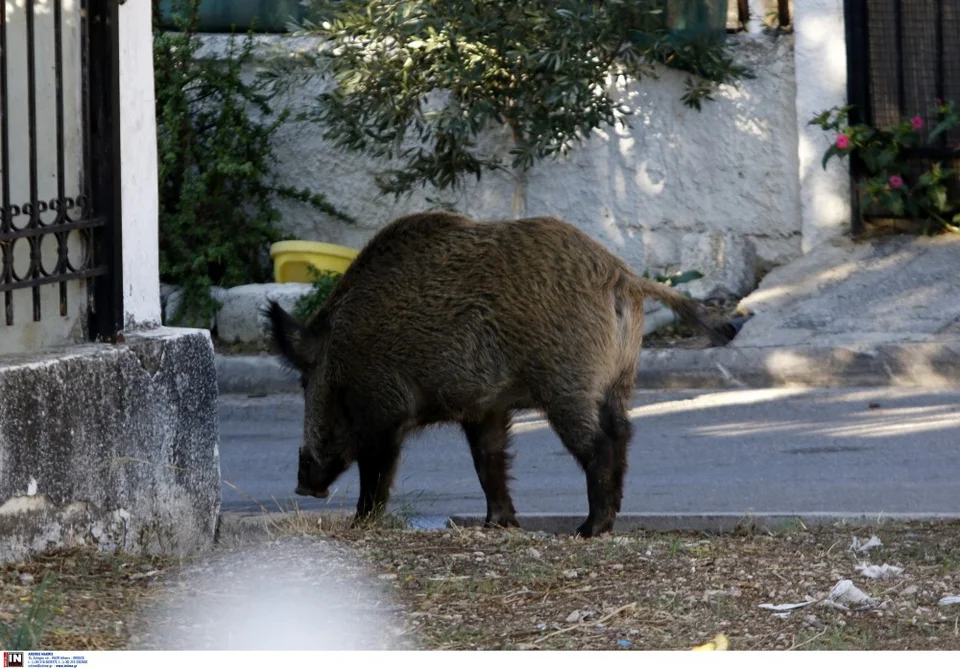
879,313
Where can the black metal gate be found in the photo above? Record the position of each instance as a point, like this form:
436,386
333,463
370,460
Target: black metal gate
37,217
903,55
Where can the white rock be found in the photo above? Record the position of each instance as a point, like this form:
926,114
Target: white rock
240,320
727,260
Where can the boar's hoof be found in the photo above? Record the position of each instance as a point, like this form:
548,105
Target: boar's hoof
590,528
501,523
307,492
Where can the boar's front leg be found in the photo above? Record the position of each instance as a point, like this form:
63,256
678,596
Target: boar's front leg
488,439
377,459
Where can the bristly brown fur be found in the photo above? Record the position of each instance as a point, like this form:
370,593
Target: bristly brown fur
441,318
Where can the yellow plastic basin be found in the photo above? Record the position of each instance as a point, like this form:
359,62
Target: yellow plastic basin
292,258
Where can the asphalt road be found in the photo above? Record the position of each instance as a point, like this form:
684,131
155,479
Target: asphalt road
777,451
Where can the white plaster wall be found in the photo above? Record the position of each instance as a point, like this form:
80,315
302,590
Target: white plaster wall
138,175
821,71
138,155
732,167
54,326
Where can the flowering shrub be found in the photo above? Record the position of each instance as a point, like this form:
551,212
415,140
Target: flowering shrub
895,183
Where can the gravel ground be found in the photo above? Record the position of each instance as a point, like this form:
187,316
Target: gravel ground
313,585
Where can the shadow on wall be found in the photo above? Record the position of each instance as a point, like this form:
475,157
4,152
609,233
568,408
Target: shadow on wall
730,168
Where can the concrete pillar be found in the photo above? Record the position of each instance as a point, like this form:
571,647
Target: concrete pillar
821,73
138,152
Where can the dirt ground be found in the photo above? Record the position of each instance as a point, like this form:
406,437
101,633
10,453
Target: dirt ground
467,588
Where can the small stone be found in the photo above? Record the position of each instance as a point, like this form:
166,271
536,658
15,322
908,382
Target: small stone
909,590
574,616
541,626
534,553
617,567
569,573
26,579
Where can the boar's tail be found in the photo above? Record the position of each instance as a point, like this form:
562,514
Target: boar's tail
684,307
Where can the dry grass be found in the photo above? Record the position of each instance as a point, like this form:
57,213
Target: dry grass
94,592
470,588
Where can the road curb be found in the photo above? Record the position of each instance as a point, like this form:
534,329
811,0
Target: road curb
254,375
239,524
919,365
928,365
713,523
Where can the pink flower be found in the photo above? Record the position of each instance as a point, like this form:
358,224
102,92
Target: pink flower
843,141
896,181
916,122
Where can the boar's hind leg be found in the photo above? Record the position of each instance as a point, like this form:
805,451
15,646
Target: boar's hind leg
615,423
577,423
377,462
488,439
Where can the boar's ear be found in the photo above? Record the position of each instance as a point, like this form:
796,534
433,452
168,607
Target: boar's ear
293,340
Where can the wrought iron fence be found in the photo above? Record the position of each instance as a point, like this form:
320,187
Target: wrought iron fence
902,56
51,233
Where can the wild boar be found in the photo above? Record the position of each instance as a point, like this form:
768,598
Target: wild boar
441,318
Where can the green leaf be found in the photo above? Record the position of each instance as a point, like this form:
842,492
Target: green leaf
938,198
885,157
830,153
870,160
943,126
681,277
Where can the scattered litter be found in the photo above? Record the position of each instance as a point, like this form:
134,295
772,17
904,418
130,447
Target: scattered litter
570,573
719,642
541,626
814,623
783,616
858,547
911,590
947,601
846,594
574,617
136,577
785,607
882,572
623,643
534,553
26,579
387,577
